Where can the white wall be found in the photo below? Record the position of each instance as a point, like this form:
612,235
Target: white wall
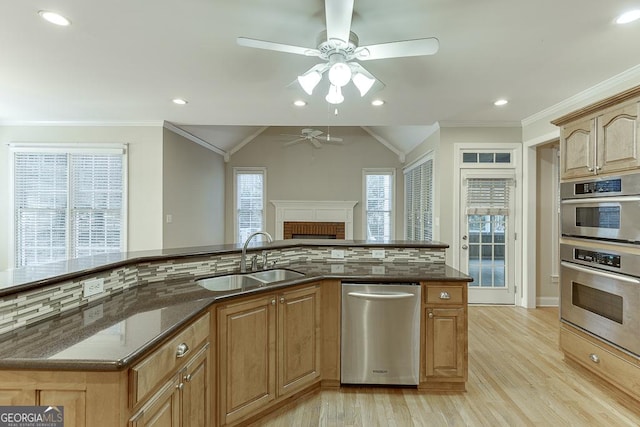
193,193
145,176
301,172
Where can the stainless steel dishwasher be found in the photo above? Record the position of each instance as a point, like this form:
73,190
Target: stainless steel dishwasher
380,333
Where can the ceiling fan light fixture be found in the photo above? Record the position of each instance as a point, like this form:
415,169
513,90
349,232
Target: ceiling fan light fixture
309,81
54,18
363,83
335,95
628,17
339,74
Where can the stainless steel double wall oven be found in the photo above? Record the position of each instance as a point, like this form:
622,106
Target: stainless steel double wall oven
600,267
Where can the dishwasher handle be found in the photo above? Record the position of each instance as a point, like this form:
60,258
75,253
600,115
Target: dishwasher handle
385,296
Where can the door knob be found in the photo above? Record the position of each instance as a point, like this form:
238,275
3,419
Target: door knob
465,247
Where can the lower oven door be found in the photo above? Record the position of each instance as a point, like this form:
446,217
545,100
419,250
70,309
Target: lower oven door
605,304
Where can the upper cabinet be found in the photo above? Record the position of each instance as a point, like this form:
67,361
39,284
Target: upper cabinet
602,138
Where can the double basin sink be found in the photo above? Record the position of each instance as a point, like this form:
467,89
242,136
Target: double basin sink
247,281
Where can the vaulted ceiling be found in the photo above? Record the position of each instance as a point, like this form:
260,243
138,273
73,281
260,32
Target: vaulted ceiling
122,62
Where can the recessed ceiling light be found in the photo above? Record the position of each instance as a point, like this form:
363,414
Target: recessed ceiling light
54,18
179,101
299,103
627,17
500,102
377,102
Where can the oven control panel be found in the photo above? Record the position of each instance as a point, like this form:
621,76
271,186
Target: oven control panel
594,257
598,187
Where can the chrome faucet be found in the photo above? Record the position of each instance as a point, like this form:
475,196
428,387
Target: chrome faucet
243,258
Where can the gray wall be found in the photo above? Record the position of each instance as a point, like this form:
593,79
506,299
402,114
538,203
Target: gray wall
193,193
301,172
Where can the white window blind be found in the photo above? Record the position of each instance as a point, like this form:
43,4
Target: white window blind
418,183
67,205
488,196
379,204
250,189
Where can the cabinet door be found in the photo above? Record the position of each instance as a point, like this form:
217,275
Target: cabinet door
246,357
17,397
577,149
73,401
446,348
196,410
618,139
298,339
162,409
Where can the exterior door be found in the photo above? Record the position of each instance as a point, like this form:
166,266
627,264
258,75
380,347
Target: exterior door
487,246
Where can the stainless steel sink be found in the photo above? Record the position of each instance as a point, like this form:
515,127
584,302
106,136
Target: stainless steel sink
247,281
278,275
230,282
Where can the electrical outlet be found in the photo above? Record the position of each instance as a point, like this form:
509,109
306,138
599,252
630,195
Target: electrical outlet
92,314
337,268
377,269
377,253
93,287
337,253
169,218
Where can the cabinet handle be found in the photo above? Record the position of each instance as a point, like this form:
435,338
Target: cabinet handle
430,315
445,295
187,378
182,350
273,302
594,358
281,300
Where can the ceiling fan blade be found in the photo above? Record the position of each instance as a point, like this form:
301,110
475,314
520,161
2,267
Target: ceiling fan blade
338,14
315,133
279,47
316,143
417,47
334,139
293,142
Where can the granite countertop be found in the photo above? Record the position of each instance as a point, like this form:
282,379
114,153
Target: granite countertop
115,332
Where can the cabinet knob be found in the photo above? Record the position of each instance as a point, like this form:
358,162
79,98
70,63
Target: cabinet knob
445,295
187,378
180,386
590,169
273,302
594,358
281,300
430,315
182,350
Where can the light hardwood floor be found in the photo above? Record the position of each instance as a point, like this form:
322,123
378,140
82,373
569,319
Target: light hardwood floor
517,377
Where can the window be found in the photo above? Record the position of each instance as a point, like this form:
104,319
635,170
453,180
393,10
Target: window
486,157
418,185
68,202
379,203
250,185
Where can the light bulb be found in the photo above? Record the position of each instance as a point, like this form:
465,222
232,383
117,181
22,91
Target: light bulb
335,95
339,74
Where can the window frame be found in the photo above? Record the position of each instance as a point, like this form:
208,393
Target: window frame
420,162
241,170
86,148
392,213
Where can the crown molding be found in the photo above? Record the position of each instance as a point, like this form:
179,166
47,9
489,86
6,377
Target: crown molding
401,154
478,124
630,77
191,137
149,123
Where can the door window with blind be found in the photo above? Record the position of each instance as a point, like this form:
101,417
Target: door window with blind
250,188
418,184
379,202
69,202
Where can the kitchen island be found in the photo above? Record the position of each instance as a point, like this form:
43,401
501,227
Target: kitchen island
154,345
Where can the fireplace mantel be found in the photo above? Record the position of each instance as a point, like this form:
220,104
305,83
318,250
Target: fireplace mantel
314,211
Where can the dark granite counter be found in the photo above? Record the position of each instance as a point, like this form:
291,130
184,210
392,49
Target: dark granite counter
114,332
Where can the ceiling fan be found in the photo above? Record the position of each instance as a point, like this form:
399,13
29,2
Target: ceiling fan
314,136
338,46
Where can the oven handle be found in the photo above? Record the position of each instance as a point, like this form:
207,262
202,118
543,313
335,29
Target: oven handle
601,200
600,273
372,296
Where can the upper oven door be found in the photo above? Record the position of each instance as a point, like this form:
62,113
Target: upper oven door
611,218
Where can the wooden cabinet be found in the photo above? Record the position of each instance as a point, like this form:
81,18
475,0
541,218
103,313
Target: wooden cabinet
171,386
444,353
601,139
268,349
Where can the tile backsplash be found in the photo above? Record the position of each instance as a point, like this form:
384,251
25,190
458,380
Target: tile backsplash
33,306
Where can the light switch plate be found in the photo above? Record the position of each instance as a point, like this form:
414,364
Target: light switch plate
337,253
377,253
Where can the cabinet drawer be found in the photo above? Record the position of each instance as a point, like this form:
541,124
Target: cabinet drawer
602,360
444,295
147,375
